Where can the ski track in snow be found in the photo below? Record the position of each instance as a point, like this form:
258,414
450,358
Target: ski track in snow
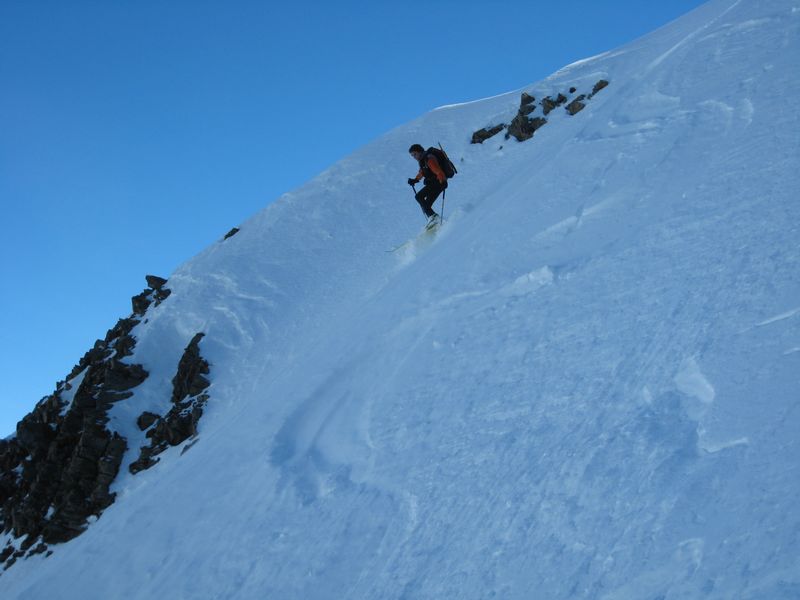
780,317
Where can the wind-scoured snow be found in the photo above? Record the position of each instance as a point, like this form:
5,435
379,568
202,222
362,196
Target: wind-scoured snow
586,385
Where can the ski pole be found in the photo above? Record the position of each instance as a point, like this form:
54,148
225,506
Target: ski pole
413,187
444,193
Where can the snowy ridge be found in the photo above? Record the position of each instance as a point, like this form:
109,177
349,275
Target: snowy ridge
584,387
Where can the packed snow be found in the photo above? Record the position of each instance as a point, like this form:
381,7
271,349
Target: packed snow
585,385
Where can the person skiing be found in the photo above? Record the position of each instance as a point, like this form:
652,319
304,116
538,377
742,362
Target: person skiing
434,179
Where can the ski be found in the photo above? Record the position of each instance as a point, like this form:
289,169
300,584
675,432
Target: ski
429,230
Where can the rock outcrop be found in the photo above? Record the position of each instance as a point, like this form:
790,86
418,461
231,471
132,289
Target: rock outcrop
598,86
548,103
576,106
155,294
480,136
523,126
188,400
57,471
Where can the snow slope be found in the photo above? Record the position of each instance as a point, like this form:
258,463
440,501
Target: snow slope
586,386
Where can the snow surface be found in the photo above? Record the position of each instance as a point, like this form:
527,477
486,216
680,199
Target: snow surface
585,386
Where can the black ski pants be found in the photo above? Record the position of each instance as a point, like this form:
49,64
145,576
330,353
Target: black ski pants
428,195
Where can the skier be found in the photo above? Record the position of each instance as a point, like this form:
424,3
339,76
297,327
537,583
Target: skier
434,179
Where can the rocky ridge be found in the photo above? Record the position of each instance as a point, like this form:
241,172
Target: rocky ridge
180,422
56,472
523,126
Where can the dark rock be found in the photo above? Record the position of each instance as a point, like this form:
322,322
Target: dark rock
548,103
146,419
231,233
189,380
598,86
34,434
27,544
97,354
180,422
145,461
523,128
84,401
576,105
154,282
120,330
92,446
572,90
8,485
41,548
155,292
125,346
141,302
75,372
162,295
537,122
58,470
107,469
178,425
120,377
484,134
516,128
57,533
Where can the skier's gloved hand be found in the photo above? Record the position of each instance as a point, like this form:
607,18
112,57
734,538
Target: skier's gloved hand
411,181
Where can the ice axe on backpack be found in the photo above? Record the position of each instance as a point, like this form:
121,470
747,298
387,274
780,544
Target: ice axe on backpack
453,167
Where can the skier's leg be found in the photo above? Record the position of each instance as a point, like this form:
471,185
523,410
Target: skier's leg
427,196
425,202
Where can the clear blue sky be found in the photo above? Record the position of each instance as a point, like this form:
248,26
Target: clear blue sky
134,134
